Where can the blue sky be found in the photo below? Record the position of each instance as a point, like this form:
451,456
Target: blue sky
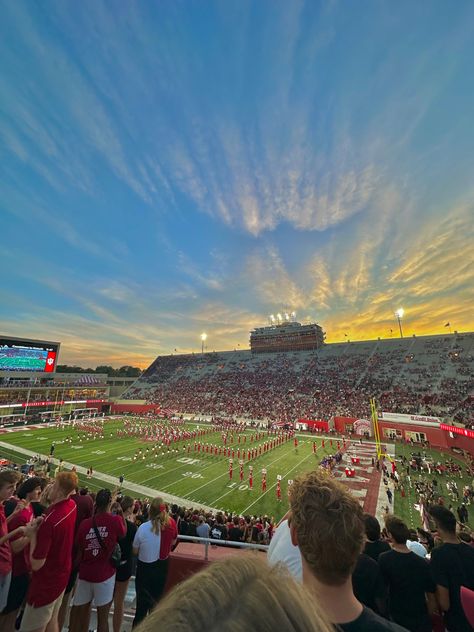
168,168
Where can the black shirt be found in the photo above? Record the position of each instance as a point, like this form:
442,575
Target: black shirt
235,534
452,566
124,571
408,578
218,532
368,621
373,549
368,585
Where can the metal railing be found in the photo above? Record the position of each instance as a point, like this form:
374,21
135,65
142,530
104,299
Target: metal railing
222,543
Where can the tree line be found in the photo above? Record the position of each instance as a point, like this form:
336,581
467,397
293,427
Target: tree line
123,371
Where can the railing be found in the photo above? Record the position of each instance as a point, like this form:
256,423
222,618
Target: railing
229,543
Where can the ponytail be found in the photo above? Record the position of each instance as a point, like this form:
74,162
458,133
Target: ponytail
159,516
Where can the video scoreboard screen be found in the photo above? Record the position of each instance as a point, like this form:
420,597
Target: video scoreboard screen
17,354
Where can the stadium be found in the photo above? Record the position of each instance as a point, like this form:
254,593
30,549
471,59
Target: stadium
227,433
215,414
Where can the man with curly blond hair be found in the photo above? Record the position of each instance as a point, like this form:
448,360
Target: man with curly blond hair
327,523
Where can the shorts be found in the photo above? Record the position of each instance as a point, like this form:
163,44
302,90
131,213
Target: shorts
101,593
17,593
34,618
4,589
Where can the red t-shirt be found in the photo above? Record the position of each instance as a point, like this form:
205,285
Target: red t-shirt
168,536
95,564
54,543
20,561
5,550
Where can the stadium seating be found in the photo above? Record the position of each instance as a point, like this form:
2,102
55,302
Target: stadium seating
423,375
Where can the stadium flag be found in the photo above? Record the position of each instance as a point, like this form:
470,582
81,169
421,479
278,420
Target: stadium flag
448,325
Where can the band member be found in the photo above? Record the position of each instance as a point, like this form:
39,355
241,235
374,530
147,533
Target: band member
264,480
231,465
250,477
278,489
241,466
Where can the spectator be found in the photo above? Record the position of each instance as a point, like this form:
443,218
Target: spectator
85,509
414,545
51,540
240,593
374,545
8,480
28,492
368,584
452,566
124,571
235,532
203,528
408,579
153,543
281,550
219,530
327,524
95,540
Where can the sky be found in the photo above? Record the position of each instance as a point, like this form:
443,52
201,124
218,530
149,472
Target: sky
173,168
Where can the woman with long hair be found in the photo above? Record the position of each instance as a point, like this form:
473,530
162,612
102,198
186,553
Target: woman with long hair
152,544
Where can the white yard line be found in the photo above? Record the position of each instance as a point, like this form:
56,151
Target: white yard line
274,485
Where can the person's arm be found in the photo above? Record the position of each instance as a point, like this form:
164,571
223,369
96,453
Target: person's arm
442,597
18,507
40,547
136,542
18,531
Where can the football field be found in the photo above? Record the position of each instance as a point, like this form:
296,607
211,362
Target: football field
198,478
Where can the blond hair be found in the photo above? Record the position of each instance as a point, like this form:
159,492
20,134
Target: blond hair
329,526
238,593
158,515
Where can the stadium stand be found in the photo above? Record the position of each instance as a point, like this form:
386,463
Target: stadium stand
431,375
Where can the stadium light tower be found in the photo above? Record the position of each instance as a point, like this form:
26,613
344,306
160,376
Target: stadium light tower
203,340
399,314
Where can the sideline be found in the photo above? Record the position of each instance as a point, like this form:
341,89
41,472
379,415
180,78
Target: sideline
142,490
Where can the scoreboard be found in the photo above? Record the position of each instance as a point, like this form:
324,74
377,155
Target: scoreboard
21,354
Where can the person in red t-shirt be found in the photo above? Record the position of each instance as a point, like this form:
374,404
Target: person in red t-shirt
27,492
51,537
153,543
8,480
96,539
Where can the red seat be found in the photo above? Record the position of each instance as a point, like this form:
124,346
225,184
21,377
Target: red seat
467,601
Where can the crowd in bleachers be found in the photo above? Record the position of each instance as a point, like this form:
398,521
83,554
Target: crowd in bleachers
429,375
62,548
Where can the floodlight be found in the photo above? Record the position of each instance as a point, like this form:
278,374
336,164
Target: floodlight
400,311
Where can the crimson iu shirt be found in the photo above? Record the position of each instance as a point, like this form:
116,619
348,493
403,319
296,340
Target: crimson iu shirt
20,560
95,564
5,551
54,542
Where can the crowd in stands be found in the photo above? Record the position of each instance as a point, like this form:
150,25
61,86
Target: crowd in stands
332,566
429,375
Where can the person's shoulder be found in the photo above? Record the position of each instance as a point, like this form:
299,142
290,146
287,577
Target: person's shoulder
368,621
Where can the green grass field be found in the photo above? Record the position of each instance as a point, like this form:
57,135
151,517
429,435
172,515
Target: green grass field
201,478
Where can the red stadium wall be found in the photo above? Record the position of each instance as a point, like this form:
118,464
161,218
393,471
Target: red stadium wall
436,436
458,441
341,424
314,424
134,408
